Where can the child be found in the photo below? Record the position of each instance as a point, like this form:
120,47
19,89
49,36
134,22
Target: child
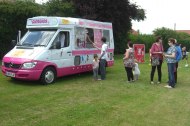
95,66
136,71
185,56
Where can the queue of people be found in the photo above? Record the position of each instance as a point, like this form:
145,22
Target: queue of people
157,56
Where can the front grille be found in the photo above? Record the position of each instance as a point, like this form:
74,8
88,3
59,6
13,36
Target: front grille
12,65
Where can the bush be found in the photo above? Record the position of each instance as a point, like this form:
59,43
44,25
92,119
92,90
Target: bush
143,39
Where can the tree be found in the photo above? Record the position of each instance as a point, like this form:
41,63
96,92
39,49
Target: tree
13,18
120,13
60,8
166,33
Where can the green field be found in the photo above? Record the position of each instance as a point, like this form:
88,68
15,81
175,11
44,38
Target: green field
78,100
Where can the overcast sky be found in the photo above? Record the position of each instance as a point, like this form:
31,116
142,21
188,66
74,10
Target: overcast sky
163,13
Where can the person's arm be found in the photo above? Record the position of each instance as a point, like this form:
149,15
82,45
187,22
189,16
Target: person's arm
126,54
96,46
170,56
89,39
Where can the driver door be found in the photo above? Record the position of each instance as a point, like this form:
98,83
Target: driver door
62,56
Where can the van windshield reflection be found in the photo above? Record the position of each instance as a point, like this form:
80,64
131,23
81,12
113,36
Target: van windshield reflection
37,38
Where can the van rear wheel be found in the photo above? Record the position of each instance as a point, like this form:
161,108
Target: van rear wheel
48,75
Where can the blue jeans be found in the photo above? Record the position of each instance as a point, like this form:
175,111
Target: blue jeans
171,68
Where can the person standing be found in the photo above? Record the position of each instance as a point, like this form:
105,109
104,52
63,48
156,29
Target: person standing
156,59
184,53
129,62
170,57
103,58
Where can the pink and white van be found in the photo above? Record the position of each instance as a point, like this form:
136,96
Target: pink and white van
55,47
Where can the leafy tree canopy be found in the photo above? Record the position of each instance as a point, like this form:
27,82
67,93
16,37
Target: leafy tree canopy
120,13
166,33
60,8
13,18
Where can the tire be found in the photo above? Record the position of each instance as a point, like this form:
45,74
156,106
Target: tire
48,76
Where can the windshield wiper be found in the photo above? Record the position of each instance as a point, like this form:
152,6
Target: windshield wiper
27,44
18,44
38,45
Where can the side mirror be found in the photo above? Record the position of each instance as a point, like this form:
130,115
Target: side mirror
58,45
13,43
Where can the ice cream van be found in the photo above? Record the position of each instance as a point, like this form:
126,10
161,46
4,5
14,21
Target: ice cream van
57,46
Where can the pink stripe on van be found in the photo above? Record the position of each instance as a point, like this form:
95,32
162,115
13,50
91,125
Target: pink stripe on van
87,52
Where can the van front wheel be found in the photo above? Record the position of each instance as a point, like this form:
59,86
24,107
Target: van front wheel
48,75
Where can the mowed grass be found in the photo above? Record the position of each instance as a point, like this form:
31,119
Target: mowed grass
78,100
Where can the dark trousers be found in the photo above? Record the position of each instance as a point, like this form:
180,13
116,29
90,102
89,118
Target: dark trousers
129,73
103,69
159,71
175,72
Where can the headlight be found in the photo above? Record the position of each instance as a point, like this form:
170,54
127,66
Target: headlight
29,65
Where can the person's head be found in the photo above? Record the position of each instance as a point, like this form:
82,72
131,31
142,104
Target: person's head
159,39
86,31
95,56
130,44
176,43
103,39
184,48
171,41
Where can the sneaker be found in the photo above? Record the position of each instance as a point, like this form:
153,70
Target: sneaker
99,79
152,82
169,87
158,82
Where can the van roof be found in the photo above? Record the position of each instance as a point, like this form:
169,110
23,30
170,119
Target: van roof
55,22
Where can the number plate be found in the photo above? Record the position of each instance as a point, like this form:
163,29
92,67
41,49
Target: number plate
10,74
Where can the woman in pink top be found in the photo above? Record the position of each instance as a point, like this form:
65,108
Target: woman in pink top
156,53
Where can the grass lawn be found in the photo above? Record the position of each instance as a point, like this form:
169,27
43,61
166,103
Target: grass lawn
77,100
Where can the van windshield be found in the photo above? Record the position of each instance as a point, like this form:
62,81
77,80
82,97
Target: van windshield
37,38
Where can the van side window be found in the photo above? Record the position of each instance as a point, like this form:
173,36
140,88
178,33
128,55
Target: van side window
106,34
63,38
84,37
67,39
